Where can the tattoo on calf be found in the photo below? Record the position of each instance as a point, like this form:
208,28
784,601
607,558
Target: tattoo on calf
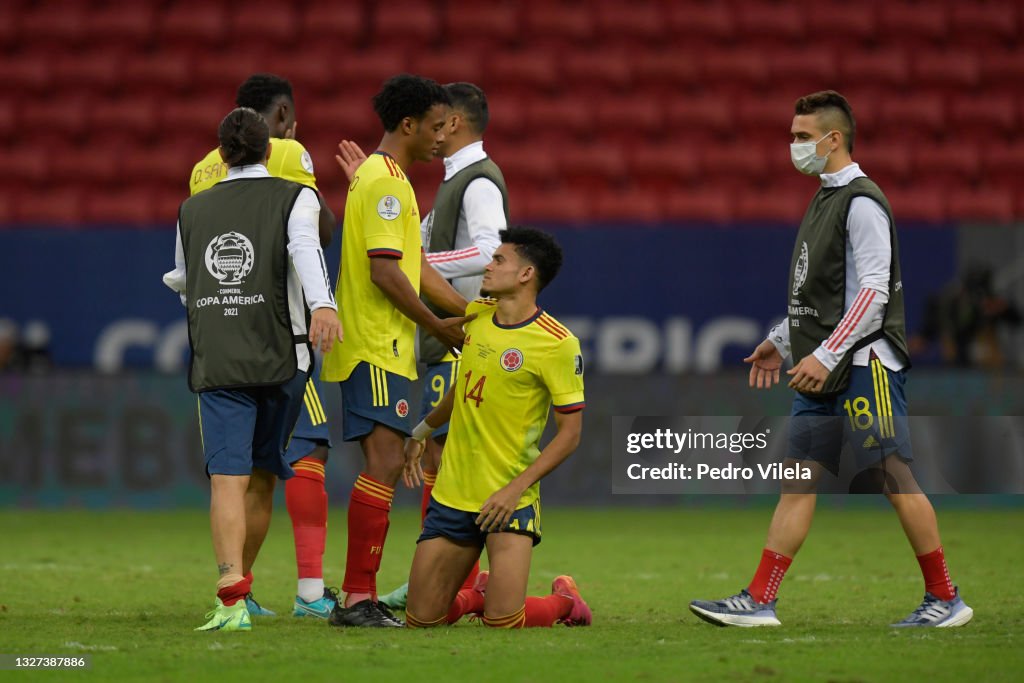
224,567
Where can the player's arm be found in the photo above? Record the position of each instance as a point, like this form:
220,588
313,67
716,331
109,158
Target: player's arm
870,241
326,223
498,509
412,472
766,360
308,260
393,283
439,290
175,279
484,210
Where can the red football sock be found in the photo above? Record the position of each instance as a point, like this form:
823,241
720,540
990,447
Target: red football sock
229,595
468,601
547,610
306,500
428,486
471,579
367,529
765,584
936,574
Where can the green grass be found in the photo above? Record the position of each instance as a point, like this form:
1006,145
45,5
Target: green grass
129,587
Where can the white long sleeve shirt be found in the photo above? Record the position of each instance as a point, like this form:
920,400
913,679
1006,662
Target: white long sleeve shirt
476,236
307,278
868,261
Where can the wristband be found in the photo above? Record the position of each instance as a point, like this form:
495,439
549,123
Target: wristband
421,431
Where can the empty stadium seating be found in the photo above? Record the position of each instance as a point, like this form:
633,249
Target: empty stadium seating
647,110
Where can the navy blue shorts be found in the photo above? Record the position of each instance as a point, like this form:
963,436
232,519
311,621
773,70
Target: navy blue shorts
870,418
249,428
311,428
459,525
372,396
437,380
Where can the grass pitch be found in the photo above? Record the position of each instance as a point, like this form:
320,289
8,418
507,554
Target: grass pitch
127,588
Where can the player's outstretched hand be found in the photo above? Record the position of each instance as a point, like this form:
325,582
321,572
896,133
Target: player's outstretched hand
324,329
497,510
412,471
450,332
765,362
350,157
809,375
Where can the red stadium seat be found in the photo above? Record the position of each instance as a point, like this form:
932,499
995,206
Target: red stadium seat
7,213
42,26
887,164
729,163
1003,164
984,118
633,205
413,24
308,76
508,117
842,25
770,22
1002,70
166,203
636,24
913,22
342,118
984,24
66,118
740,69
772,205
124,24
561,206
133,117
202,26
165,73
803,70
592,167
10,25
451,66
884,68
265,23
626,118
664,168
951,165
767,118
86,166
49,205
474,24
530,73
955,70
328,25
558,118
597,72
168,164
26,74
196,119
8,120
914,115
132,205
215,76
701,203
558,25
917,204
32,164
701,23
986,205
88,73
695,118
663,72
361,74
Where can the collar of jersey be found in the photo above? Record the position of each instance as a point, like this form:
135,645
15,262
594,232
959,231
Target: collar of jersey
513,326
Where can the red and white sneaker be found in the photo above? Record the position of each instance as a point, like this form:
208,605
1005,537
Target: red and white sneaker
580,615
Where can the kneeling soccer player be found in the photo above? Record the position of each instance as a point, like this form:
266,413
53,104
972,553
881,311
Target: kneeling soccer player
517,360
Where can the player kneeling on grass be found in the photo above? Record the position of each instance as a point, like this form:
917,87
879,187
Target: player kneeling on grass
516,362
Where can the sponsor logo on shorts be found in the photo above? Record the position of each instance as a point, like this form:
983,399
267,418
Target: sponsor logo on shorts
512,360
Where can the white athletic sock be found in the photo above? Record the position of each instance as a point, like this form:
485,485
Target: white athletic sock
310,589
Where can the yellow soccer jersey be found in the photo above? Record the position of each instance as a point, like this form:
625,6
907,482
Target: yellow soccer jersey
288,160
508,379
381,220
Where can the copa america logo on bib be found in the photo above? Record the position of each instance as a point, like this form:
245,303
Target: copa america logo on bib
229,258
800,272
402,408
512,360
389,208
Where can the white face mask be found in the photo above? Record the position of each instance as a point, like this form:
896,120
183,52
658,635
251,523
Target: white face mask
805,156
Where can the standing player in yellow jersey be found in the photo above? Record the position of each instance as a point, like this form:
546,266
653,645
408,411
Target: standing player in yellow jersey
305,495
517,362
383,269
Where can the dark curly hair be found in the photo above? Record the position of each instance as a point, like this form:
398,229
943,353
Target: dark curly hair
244,136
260,91
538,248
834,109
409,96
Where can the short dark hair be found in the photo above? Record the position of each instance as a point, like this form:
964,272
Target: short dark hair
471,101
537,247
260,91
406,95
244,136
835,108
